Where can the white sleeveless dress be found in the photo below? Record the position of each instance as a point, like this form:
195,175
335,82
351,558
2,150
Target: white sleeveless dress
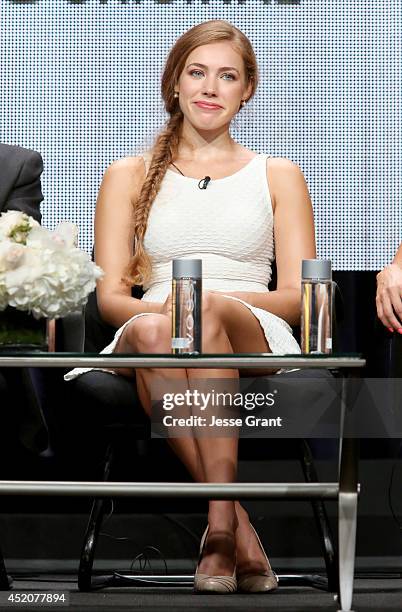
229,226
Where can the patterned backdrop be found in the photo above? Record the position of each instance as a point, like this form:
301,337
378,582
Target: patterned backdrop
79,81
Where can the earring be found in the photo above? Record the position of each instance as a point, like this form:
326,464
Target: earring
176,94
243,103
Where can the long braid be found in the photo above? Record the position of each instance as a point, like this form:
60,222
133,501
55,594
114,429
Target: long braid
164,150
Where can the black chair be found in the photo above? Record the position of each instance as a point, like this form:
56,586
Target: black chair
115,410
385,359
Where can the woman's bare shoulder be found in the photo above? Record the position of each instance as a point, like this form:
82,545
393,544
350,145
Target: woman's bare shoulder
126,175
282,164
280,169
285,180
127,165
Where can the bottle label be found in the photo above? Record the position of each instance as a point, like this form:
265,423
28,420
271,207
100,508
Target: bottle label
180,343
328,344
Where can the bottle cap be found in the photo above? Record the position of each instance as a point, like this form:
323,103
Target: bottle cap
316,269
187,268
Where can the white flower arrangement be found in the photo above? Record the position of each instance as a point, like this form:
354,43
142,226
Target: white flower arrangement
42,271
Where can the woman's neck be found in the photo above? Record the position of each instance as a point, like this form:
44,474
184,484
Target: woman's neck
202,148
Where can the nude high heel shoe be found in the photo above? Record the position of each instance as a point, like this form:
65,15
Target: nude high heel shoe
261,582
203,583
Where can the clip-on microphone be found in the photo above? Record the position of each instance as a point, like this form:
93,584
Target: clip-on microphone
203,184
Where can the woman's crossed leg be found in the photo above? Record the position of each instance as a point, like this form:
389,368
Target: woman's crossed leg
228,327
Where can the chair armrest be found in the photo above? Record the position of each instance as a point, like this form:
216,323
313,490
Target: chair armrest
393,354
384,357
70,333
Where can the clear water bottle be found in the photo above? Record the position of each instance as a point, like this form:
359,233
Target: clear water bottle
316,315
186,306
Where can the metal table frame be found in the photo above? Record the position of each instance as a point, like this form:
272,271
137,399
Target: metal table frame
345,491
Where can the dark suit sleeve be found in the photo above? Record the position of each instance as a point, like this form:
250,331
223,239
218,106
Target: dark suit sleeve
26,194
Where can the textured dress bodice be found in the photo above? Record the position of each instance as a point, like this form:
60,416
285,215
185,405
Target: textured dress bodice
229,225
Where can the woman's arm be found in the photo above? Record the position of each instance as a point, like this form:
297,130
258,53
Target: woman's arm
294,239
114,238
389,294
398,257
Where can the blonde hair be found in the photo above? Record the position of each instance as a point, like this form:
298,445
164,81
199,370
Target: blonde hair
166,144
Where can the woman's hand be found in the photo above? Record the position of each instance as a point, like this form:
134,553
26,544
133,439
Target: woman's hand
166,307
388,298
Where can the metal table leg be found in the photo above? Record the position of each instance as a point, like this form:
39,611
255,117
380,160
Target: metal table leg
347,504
321,518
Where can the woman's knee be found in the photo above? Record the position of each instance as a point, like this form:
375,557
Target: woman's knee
149,334
213,327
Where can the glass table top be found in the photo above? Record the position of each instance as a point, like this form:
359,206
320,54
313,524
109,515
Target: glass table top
5,353
218,360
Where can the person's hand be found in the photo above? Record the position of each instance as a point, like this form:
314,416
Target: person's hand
388,298
166,307
215,298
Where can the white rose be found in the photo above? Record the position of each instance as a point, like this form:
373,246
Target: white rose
4,246
66,232
11,255
16,225
11,218
40,238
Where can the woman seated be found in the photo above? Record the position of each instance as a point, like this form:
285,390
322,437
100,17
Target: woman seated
254,208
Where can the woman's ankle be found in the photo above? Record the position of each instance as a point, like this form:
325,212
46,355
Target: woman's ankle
241,514
222,517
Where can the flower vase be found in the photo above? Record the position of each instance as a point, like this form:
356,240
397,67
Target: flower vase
20,331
